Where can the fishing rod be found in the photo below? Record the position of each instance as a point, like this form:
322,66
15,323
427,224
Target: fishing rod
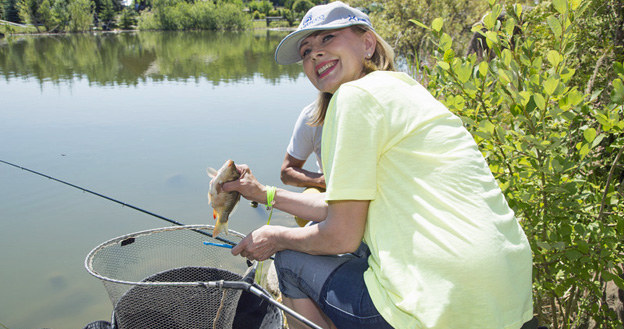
117,201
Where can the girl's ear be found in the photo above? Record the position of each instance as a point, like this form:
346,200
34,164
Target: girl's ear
370,42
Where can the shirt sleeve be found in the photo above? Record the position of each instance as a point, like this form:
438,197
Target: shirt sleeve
302,140
353,136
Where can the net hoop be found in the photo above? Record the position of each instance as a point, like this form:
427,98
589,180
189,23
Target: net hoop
201,230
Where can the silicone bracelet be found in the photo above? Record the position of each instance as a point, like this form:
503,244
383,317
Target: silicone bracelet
270,196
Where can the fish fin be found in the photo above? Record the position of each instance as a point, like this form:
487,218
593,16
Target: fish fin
214,214
220,227
211,172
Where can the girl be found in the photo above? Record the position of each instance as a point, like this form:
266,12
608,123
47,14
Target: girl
405,177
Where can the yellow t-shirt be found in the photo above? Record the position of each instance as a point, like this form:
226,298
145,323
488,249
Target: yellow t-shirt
446,249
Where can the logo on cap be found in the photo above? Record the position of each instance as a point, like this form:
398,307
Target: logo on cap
308,20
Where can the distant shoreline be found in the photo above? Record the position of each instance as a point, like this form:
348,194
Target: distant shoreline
292,28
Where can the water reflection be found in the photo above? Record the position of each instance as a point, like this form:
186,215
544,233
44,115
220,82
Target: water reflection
132,58
137,117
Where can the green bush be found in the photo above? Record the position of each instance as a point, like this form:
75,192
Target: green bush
556,151
302,6
260,6
202,15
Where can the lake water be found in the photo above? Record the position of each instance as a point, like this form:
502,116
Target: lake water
137,117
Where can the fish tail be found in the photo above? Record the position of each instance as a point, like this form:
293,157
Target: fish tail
221,226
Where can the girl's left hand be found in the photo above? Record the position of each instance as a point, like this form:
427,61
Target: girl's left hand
260,244
247,185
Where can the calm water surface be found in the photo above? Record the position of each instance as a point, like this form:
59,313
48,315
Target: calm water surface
137,117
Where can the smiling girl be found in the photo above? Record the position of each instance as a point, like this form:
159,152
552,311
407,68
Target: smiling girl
405,177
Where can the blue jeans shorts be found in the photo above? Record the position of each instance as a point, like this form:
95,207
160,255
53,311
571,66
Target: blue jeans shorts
335,283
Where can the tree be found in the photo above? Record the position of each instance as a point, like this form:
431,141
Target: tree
11,11
29,12
302,6
81,15
556,151
128,19
391,21
106,14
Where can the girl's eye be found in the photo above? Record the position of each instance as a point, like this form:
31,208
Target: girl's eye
305,52
328,37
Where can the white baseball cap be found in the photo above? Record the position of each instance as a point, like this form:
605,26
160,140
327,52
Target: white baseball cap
335,15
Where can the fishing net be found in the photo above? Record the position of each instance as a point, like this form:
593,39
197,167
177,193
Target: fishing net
168,278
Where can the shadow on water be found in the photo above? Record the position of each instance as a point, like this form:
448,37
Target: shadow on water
134,57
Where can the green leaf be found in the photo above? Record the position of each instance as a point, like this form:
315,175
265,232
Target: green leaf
518,9
463,71
491,37
540,102
503,77
489,20
551,85
506,57
555,25
584,151
575,97
619,68
573,254
560,6
445,42
437,23
598,139
617,96
554,57
444,65
589,134
525,97
544,245
483,68
567,73
449,54
420,24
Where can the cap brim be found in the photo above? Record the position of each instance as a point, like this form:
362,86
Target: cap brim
287,51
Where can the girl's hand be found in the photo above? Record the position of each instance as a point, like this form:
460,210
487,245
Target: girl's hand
247,185
260,244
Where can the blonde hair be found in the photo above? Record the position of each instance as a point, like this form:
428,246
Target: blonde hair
381,60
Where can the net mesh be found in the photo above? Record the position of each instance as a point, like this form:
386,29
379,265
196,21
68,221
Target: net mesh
155,280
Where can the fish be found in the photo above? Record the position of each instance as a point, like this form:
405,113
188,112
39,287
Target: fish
222,202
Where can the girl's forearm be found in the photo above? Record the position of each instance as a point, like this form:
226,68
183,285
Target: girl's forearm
307,206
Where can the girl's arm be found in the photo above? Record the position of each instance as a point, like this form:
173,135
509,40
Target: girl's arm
340,232
307,206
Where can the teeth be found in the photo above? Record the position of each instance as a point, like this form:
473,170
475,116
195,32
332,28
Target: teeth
324,68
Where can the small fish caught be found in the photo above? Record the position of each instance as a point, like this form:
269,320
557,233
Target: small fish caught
222,202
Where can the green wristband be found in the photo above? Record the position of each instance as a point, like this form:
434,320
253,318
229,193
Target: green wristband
270,196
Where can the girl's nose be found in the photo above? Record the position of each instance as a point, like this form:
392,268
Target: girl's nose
317,53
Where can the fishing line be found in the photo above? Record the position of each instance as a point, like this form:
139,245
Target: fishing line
116,201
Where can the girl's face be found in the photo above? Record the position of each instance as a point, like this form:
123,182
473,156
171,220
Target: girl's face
333,57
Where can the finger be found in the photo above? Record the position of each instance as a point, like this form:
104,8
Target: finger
230,186
237,249
242,169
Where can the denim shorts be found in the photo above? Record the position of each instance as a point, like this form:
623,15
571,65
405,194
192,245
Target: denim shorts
335,283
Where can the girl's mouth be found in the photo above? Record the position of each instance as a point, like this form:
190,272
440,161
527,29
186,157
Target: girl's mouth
325,68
